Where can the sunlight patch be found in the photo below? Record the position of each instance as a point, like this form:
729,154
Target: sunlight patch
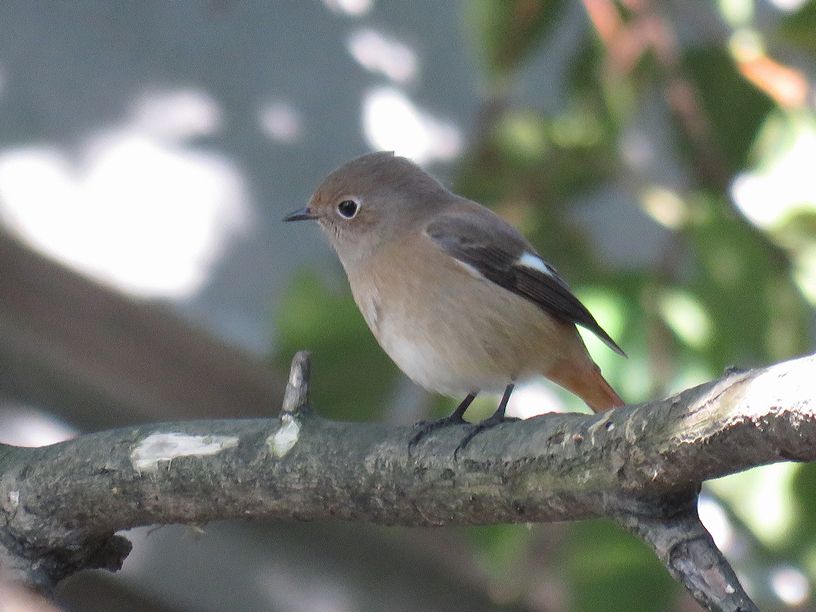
133,206
392,122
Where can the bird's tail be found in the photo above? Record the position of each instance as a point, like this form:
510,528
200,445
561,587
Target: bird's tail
588,384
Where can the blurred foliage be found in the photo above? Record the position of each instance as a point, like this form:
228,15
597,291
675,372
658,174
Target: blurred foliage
734,125
733,279
744,285
352,381
610,570
508,31
799,27
802,544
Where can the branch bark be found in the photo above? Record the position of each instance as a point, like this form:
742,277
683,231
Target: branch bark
640,465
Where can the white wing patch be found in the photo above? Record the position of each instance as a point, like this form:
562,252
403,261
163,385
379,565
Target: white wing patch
529,260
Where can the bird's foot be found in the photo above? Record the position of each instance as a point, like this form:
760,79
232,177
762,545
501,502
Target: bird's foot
489,423
426,427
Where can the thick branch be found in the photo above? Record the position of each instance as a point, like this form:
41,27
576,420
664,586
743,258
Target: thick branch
62,503
104,358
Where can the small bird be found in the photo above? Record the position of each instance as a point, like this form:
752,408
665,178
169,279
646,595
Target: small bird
455,295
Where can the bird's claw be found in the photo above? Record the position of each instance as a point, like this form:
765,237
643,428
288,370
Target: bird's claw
426,427
478,428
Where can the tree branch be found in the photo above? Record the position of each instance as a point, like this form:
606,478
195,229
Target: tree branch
103,358
640,465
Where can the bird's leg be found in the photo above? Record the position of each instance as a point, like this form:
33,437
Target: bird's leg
426,427
497,418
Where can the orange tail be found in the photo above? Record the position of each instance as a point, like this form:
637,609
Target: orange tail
588,384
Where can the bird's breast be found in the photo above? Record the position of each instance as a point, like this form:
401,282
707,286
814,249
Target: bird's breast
447,329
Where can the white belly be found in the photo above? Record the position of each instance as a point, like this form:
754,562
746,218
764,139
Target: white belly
439,369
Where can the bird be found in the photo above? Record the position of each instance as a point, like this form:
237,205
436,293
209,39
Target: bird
453,293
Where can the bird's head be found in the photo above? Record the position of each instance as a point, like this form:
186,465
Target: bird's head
370,200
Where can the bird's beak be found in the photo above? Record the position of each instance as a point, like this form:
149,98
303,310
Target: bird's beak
300,215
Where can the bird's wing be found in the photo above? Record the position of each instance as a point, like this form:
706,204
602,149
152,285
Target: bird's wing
496,251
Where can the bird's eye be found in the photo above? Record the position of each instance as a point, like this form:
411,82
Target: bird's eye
348,209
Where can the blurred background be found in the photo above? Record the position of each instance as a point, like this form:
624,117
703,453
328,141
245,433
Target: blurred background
660,154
